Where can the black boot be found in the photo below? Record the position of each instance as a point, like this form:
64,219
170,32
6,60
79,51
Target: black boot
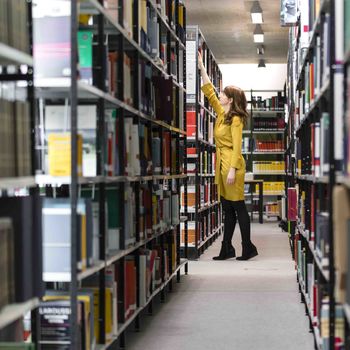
248,253
227,251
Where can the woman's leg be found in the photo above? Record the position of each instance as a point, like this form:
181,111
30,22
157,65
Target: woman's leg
243,221
227,251
230,219
248,248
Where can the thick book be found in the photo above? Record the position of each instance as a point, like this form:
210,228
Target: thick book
20,210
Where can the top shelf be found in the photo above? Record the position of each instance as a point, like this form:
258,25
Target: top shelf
93,6
10,55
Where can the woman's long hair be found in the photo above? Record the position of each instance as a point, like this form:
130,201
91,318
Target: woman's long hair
238,106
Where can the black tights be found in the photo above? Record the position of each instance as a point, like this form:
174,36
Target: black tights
234,210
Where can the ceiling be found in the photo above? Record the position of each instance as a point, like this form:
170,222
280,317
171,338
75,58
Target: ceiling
228,30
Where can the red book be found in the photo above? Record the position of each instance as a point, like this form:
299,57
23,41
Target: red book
292,204
191,123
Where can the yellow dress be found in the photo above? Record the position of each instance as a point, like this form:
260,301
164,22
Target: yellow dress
228,140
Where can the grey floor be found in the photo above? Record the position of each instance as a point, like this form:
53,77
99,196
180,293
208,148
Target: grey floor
232,305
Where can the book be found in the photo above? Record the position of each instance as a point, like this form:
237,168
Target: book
57,120
85,38
341,216
59,154
7,262
51,38
27,238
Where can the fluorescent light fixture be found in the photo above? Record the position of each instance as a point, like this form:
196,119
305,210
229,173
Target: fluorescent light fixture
260,50
258,34
256,13
261,64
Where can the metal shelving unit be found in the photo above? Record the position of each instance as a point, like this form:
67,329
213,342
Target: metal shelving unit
200,214
262,113
77,92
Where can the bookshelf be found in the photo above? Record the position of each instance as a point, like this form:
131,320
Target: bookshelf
107,221
21,264
317,204
203,209
263,146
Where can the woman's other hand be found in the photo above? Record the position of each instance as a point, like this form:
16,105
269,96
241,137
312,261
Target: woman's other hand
231,176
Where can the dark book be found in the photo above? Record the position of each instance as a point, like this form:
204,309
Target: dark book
20,210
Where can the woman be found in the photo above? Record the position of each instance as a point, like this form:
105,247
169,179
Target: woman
231,110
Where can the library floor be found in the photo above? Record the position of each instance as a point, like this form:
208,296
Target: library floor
229,305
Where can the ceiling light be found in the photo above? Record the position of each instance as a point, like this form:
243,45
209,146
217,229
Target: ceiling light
261,64
258,34
260,50
256,13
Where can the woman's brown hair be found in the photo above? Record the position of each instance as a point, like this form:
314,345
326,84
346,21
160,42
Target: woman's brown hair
238,106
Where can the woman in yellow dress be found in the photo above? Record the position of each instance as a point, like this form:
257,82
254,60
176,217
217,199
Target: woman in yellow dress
231,110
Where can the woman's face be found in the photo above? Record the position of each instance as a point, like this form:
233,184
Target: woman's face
224,100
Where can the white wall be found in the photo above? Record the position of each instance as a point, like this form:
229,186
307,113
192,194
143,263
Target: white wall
249,76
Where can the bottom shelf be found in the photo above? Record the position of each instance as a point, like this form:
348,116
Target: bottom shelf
124,326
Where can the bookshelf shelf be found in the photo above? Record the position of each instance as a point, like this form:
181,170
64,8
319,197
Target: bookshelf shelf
201,141
266,153
17,182
343,180
10,55
124,326
272,131
122,253
43,180
201,244
268,173
314,179
61,87
13,312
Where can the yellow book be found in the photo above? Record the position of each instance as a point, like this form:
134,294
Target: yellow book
181,15
143,15
59,145
108,313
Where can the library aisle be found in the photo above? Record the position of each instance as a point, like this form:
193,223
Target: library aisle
229,304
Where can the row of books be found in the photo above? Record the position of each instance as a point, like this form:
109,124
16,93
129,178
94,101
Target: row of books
206,225
206,164
268,167
272,209
122,298
268,124
13,24
318,306
145,153
21,262
271,187
205,125
268,146
275,102
158,95
15,139
208,194
313,157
